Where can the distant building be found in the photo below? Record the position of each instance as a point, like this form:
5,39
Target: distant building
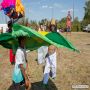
3,28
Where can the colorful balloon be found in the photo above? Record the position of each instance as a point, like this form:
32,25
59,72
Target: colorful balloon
12,8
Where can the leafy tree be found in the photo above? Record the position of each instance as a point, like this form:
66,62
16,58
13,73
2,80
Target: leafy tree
43,21
76,25
33,24
24,21
61,23
86,19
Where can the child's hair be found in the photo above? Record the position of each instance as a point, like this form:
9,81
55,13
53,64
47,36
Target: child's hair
20,39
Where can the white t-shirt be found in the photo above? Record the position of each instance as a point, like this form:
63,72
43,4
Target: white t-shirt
20,59
20,56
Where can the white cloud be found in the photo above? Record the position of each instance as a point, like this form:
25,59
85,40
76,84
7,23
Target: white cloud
66,10
57,5
44,6
63,11
50,7
71,10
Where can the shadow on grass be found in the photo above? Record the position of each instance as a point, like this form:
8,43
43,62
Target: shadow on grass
38,86
13,88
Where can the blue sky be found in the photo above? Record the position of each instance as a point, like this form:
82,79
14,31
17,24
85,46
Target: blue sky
39,9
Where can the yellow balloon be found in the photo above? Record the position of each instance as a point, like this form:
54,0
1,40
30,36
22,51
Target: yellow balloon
19,7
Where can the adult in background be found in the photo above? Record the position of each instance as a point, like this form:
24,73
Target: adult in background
68,23
53,25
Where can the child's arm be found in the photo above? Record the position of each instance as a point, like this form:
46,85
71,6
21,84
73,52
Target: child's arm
27,82
23,71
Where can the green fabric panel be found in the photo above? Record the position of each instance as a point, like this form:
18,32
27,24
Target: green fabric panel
33,39
61,40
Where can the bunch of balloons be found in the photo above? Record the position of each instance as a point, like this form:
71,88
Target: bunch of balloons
12,8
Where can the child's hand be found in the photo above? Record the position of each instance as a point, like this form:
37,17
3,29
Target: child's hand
27,84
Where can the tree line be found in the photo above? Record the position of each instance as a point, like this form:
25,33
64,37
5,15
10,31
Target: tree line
61,24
